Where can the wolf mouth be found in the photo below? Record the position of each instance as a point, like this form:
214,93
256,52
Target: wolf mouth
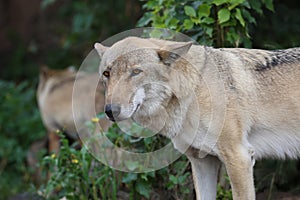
120,118
137,107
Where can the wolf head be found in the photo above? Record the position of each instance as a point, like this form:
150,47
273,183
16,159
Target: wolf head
138,76
47,75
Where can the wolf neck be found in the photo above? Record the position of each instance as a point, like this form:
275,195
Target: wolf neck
190,113
182,107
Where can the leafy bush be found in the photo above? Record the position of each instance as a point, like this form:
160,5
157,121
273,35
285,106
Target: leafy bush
77,175
20,125
211,22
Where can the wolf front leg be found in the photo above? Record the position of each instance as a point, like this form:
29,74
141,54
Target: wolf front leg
205,175
239,163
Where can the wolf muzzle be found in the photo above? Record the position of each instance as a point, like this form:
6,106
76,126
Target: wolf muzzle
112,111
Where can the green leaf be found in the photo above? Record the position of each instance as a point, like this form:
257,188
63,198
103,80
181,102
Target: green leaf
183,178
145,20
151,174
230,23
208,20
156,33
132,165
179,165
256,5
173,179
129,177
220,2
269,5
223,15
235,3
143,188
145,177
204,10
188,24
190,11
196,21
209,31
185,190
233,37
248,16
173,23
239,17
101,115
232,6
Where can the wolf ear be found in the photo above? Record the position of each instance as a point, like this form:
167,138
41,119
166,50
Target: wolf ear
169,54
44,70
100,49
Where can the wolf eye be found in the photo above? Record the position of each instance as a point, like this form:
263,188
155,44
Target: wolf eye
106,74
136,72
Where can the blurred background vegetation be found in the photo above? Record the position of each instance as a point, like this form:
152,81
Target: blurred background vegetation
60,33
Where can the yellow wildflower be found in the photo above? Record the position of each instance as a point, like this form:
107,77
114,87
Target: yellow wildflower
95,119
75,161
53,156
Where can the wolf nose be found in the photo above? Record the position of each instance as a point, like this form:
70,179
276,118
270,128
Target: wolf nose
112,111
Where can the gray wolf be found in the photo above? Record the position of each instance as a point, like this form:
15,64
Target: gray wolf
54,96
243,103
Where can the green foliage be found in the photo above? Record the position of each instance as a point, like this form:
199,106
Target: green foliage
77,175
211,22
222,193
20,125
140,143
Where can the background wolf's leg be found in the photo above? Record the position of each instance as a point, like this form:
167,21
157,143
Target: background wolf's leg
205,175
54,142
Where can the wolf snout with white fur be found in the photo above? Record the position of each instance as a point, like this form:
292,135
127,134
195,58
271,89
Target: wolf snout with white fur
120,108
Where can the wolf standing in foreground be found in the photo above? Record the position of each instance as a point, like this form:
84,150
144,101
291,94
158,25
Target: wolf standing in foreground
244,104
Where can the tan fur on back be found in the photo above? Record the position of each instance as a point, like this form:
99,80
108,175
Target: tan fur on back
54,96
